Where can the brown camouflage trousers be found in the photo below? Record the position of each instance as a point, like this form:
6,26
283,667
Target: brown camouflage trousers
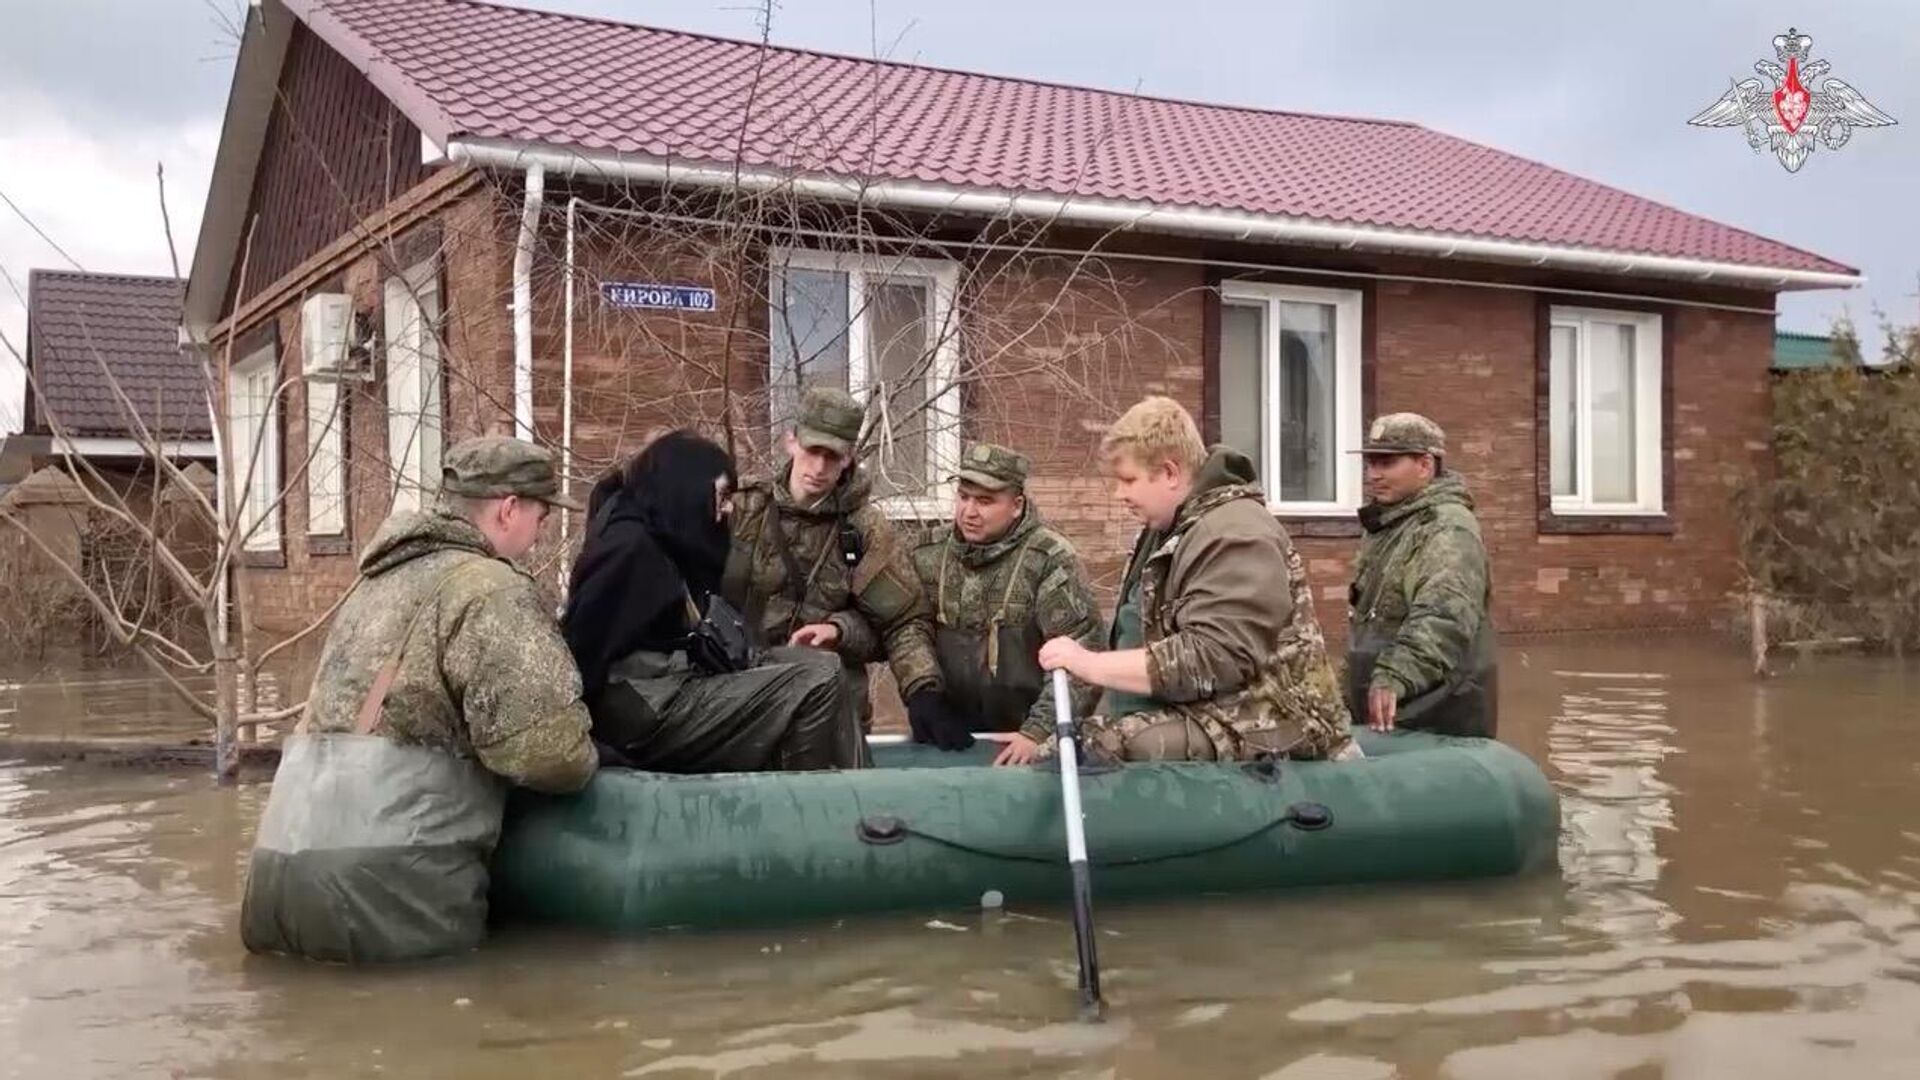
1168,735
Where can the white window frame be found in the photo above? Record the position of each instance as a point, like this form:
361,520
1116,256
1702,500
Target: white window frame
1347,384
1649,449
256,442
413,456
326,460
943,410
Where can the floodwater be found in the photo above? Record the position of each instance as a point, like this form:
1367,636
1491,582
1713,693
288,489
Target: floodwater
1739,896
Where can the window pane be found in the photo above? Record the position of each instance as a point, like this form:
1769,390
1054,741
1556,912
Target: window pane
257,466
901,371
1243,338
1306,377
326,487
427,351
1613,371
405,407
1563,409
807,316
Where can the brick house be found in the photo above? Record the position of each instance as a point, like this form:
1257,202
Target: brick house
108,382
91,338
583,231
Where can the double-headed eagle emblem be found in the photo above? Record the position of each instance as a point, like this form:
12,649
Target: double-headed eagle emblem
1792,117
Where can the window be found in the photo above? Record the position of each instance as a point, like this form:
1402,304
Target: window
253,439
326,466
881,328
412,326
1603,399
1290,392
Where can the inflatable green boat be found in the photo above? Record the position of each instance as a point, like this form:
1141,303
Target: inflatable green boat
929,830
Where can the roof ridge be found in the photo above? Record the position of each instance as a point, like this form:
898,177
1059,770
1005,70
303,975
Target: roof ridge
1027,80
46,272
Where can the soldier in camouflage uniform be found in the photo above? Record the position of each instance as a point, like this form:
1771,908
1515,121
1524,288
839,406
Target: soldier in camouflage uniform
443,680
1223,664
1421,652
1001,583
815,564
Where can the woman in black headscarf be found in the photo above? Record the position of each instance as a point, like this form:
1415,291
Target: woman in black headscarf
656,544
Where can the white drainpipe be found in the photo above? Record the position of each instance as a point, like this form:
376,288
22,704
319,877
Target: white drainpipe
523,302
566,390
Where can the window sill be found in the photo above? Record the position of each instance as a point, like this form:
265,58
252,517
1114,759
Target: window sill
1343,525
264,558
1602,524
926,508
330,544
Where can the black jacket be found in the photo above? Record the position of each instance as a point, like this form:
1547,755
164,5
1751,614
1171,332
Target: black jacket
625,595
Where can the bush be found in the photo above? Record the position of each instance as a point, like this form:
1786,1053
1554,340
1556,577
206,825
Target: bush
1833,533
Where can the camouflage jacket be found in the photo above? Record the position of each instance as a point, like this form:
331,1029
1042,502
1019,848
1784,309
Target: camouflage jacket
1421,587
1030,583
482,669
1225,648
876,604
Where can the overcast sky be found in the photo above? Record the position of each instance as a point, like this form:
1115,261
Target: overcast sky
94,93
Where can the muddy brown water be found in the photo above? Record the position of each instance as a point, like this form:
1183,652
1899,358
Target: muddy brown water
1739,897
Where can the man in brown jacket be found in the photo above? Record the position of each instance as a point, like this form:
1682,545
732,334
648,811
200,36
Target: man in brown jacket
1210,660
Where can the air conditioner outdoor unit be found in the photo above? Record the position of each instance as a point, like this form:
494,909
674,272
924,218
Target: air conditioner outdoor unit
328,352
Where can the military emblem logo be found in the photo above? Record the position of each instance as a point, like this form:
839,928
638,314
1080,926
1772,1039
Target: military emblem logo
1795,115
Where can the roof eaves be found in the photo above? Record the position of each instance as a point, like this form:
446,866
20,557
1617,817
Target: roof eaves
243,132
1120,216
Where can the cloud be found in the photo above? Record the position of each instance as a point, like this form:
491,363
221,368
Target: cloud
118,64
94,194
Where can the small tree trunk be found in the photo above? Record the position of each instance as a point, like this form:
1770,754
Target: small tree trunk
226,746
1757,630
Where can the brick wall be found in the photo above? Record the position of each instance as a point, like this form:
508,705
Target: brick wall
466,239
1062,345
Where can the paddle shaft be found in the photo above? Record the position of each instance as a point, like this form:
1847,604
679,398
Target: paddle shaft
1090,1003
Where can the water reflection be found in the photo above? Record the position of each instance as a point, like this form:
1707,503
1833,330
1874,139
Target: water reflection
1737,898
1606,742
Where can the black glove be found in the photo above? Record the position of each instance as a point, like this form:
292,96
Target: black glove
933,722
610,758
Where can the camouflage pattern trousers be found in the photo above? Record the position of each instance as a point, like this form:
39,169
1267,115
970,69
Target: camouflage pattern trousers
1167,735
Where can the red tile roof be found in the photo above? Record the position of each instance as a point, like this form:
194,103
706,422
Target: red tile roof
466,68
76,320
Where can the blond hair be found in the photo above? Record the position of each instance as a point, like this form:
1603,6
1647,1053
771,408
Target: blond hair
1155,430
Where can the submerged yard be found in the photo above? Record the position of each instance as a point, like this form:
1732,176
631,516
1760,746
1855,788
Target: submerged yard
1739,895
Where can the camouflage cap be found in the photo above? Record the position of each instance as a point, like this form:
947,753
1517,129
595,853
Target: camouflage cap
1404,433
829,419
995,468
494,466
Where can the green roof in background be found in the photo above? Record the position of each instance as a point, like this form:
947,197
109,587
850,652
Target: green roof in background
1801,352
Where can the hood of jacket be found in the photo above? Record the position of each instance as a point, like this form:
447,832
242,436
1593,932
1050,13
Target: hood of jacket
410,535
1225,475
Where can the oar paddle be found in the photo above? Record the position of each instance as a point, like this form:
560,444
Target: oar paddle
1090,1004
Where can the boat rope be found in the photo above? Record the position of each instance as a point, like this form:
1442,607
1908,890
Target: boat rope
884,830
